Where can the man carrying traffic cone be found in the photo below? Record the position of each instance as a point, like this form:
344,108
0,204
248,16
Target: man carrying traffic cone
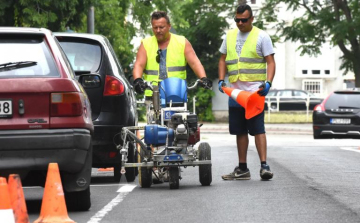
247,55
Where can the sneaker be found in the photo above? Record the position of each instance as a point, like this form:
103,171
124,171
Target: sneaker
237,174
265,172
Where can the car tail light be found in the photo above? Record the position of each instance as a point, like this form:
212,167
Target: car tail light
319,108
113,86
66,104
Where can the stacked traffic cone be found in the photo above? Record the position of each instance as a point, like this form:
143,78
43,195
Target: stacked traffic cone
53,207
17,199
6,213
252,102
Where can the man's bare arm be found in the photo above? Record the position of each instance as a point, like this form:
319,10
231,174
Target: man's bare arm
271,66
222,67
140,62
194,61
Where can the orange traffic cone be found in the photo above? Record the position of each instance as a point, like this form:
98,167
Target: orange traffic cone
53,207
6,213
17,199
252,102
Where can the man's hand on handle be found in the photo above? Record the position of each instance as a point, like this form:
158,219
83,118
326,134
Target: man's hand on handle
205,83
139,85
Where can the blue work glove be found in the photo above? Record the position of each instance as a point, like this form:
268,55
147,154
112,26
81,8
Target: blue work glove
265,88
221,84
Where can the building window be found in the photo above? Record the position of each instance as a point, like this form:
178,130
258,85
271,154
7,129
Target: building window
327,71
253,1
315,71
313,86
304,71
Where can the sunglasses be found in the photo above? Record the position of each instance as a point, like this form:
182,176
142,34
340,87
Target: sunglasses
237,20
158,56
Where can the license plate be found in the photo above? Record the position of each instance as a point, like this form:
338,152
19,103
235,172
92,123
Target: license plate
340,121
5,108
168,114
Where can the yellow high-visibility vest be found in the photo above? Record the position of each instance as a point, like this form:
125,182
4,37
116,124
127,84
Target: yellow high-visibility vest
249,66
175,59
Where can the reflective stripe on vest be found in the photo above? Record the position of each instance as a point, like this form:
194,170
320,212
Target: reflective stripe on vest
175,59
249,66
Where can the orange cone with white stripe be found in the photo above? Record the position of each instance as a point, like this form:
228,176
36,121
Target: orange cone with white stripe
53,206
17,199
252,102
6,212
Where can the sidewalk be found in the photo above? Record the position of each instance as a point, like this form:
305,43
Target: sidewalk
301,129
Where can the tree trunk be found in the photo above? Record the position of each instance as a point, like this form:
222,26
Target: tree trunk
356,65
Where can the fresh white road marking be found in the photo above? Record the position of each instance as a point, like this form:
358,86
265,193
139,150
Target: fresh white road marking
123,191
354,149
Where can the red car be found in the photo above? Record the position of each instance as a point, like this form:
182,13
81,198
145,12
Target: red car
45,115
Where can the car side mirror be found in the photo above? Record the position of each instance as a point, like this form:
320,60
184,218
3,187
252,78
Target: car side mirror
90,80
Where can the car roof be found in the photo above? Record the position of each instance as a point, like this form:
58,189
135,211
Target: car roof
97,37
27,30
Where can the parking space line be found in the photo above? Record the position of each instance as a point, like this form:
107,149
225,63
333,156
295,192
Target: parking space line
123,191
354,149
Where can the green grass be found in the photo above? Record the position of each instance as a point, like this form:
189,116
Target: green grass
288,117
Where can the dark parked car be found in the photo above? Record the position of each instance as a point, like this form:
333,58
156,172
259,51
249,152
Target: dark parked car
338,116
45,115
112,98
291,99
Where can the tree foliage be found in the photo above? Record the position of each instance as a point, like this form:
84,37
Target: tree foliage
334,21
54,15
202,22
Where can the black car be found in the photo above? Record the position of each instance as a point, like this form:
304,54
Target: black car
112,98
338,116
291,99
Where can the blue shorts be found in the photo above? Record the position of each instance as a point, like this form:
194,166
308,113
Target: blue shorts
239,125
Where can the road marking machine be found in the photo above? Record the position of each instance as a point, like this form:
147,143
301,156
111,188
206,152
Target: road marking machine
171,138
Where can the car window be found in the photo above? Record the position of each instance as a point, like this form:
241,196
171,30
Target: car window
285,93
271,93
82,56
300,94
26,56
343,100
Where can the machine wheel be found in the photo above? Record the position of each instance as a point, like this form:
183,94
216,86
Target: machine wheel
145,173
174,177
130,173
205,175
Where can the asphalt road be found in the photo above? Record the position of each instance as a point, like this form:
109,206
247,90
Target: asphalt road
314,181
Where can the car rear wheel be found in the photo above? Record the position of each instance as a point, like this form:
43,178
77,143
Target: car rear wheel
78,200
130,173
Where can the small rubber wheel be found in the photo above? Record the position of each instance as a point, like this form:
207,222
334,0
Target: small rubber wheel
145,173
174,177
205,174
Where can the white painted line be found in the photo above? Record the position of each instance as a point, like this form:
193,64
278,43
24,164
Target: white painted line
126,189
354,149
117,200
108,185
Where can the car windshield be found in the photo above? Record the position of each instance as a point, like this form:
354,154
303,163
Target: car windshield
25,57
82,56
343,100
